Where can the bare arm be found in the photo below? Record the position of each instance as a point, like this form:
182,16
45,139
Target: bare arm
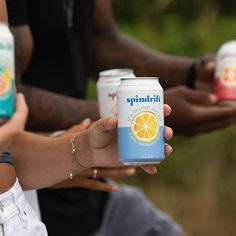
128,52
45,160
41,161
3,11
48,111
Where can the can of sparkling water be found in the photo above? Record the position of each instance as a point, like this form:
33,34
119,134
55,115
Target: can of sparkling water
225,74
140,121
7,72
107,85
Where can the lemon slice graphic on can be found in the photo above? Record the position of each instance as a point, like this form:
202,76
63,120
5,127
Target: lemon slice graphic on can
5,80
145,126
228,75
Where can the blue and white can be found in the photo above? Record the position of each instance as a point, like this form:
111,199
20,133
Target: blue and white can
140,121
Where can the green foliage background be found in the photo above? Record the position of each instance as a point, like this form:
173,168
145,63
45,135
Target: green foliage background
196,186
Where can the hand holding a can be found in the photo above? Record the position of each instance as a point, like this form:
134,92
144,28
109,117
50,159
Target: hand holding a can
9,129
97,146
195,112
204,73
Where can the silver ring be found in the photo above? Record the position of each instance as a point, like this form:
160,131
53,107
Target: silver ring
95,172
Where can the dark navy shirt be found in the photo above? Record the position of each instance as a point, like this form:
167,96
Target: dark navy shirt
5,157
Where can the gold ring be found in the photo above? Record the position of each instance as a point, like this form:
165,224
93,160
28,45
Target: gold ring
95,172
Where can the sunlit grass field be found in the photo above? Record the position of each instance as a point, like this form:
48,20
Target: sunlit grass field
197,184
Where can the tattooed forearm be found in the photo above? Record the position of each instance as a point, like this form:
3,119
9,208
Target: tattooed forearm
112,49
50,112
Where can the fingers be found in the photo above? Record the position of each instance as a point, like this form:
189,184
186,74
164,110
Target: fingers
105,125
200,97
216,114
21,112
86,123
16,123
215,118
167,110
149,169
210,66
208,61
110,172
77,128
168,149
168,133
103,133
19,117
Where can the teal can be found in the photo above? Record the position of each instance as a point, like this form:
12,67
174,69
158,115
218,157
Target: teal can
7,72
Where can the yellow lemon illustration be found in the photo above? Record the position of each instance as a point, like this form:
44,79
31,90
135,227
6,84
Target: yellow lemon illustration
145,126
5,82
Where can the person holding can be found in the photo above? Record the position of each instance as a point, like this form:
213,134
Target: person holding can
86,34
16,215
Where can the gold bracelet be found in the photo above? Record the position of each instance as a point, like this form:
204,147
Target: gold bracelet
74,159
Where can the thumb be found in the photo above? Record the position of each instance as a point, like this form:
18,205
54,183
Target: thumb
100,133
86,123
201,98
105,125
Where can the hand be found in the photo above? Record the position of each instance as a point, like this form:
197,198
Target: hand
194,111
15,124
205,68
85,179
151,169
97,146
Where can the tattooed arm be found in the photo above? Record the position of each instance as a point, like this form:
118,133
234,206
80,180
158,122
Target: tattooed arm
128,52
48,111
114,49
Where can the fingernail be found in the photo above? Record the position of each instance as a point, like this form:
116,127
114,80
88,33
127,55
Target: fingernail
85,120
210,65
151,169
212,97
115,187
130,171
